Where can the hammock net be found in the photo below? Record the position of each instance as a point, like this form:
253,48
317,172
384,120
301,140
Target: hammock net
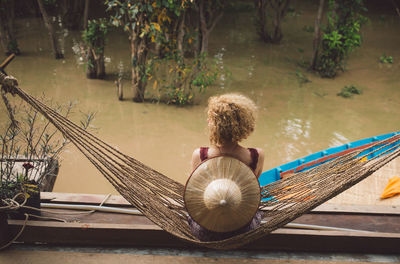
161,199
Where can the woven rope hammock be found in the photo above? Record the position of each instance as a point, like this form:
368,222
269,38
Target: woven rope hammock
161,199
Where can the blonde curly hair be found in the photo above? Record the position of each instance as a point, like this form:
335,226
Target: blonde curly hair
231,118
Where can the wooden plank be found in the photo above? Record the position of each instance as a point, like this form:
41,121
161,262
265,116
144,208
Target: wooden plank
116,200
373,222
376,223
368,191
358,209
55,197
95,234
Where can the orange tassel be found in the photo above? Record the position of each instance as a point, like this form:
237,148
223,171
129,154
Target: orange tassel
392,189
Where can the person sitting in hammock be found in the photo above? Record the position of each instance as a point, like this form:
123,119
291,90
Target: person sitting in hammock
231,118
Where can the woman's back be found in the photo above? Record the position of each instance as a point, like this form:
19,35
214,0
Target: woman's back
231,118
253,157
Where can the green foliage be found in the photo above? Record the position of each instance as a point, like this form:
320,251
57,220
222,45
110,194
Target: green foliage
146,18
147,22
9,190
341,35
182,78
386,59
301,78
95,34
308,29
12,47
348,91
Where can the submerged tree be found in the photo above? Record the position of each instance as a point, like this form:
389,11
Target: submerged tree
94,38
7,28
74,13
52,34
317,35
86,15
162,33
341,35
209,13
142,20
180,69
270,14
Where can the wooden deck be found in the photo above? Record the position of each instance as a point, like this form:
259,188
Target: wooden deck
112,229
355,211
368,191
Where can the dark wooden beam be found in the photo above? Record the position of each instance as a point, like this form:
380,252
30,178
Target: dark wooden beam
99,234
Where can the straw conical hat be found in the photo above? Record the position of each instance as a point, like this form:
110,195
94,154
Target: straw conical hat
222,194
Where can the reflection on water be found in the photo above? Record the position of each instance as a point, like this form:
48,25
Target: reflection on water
297,132
294,120
338,139
219,61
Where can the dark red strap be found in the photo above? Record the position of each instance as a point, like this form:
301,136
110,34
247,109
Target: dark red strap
203,153
254,158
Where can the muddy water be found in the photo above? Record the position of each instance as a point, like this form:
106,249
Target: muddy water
294,120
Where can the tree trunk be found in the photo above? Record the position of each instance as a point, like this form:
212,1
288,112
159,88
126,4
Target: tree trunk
12,43
207,22
280,7
95,68
72,12
3,37
317,35
91,69
101,69
204,41
277,36
54,43
197,45
262,20
7,31
120,92
78,13
86,15
181,34
203,28
278,10
139,60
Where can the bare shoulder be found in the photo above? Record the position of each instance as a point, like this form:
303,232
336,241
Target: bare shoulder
260,153
260,163
196,154
196,158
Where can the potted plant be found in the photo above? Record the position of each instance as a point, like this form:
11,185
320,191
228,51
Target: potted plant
29,151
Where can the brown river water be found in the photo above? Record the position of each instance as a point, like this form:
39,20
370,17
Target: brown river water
294,120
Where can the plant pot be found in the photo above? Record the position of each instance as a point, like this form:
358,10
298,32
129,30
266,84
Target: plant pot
4,232
33,200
